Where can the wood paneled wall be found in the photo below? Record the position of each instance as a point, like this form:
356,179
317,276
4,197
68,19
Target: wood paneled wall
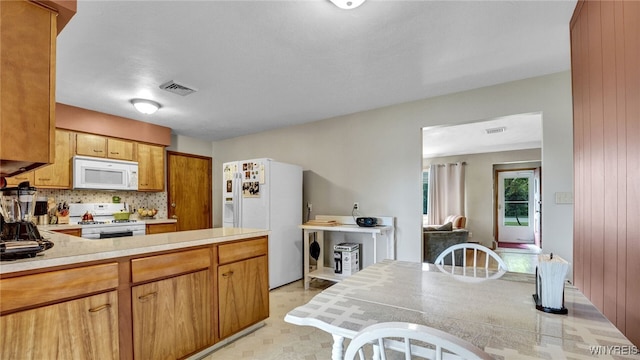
605,59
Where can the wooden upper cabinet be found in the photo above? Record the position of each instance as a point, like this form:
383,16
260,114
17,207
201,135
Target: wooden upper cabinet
27,79
14,181
105,147
58,174
119,149
91,145
150,167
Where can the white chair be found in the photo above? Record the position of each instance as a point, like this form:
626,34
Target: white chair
393,338
477,249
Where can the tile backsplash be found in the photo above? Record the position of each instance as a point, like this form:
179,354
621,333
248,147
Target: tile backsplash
136,199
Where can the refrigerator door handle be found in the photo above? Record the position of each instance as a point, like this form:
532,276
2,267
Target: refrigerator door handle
237,200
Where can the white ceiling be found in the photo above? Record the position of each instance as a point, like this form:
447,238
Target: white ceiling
522,131
260,65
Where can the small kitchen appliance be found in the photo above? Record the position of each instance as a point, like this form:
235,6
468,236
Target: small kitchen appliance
367,221
104,174
19,236
97,221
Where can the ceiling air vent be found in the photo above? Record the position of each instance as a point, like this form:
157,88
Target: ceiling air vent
176,88
495,130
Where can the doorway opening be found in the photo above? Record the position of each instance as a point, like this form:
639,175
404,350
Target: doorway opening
517,220
514,140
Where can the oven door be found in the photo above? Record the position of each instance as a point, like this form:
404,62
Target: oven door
109,235
114,232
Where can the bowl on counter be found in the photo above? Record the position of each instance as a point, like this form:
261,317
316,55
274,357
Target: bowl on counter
147,213
121,215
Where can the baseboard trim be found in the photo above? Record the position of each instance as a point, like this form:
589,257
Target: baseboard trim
226,341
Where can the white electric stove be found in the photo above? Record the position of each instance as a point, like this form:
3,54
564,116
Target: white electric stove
103,225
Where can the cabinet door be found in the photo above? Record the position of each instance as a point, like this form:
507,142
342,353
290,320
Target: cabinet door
161,228
172,317
58,174
243,294
150,167
91,145
153,319
119,149
16,180
86,328
193,322
27,80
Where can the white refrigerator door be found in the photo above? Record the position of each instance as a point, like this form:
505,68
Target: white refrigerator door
230,194
285,245
255,206
277,207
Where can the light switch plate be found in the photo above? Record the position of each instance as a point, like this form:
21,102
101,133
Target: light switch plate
564,198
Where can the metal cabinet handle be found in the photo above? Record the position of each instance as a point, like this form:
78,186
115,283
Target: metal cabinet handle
95,150
100,308
147,296
228,274
114,153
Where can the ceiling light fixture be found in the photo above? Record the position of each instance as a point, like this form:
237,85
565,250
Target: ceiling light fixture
347,4
145,106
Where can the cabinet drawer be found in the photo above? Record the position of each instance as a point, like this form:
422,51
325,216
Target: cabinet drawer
159,266
161,228
242,250
25,291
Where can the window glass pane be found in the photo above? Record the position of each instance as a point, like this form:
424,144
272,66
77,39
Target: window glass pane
516,214
516,189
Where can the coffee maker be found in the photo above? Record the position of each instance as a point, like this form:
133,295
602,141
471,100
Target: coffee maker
19,235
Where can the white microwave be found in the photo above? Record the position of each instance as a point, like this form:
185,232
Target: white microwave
104,174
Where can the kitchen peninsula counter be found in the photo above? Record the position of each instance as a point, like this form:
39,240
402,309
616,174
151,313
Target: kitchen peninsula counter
158,221
70,250
127,298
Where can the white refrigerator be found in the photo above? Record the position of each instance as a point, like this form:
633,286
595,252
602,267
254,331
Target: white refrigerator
266,194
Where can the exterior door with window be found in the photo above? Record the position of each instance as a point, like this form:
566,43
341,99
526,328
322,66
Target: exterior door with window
516,206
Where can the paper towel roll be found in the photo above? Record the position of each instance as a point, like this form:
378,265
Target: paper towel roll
552,274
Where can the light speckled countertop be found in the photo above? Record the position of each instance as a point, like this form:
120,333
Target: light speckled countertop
69,250
55,227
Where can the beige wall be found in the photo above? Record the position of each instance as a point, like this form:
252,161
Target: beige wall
479,187
374,157
189,145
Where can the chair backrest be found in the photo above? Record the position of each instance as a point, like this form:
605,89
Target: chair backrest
477,250
415,341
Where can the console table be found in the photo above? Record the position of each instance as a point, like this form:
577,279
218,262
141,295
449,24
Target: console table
385,228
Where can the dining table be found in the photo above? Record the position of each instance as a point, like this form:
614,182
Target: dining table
494,310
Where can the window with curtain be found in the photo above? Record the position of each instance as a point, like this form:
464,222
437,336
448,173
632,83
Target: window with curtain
425,192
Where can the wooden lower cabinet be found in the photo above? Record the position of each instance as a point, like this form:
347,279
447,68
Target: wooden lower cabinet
161,228
159,306
243,294
72,232
86,328
172,317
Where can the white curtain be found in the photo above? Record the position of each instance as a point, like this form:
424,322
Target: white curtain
446,192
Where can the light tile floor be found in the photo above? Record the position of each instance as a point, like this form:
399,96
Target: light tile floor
517,260
279,340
